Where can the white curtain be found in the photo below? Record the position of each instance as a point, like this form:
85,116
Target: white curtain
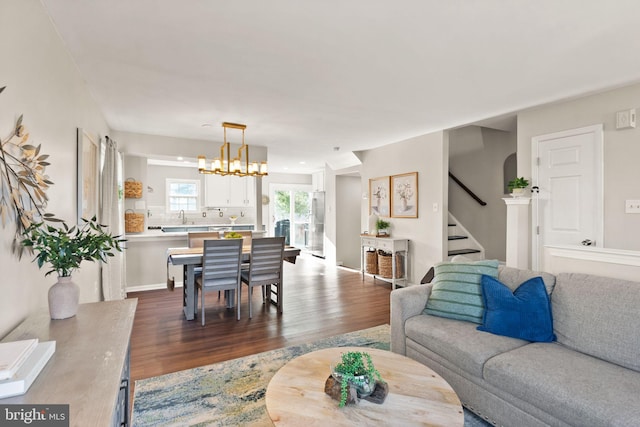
112,214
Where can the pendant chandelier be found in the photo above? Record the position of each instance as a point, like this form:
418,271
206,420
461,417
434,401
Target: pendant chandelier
225,165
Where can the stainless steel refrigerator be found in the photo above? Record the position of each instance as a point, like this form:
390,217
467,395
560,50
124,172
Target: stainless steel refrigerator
316,225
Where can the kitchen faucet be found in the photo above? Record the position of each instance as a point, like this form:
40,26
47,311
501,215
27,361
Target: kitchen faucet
181,214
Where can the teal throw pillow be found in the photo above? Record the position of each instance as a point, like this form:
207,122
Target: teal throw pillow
524,313
456,292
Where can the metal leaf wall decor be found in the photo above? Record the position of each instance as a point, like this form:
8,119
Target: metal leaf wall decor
23,183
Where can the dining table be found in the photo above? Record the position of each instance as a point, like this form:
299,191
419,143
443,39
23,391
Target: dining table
191,258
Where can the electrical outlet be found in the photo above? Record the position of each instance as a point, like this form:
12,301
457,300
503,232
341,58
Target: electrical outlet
632,206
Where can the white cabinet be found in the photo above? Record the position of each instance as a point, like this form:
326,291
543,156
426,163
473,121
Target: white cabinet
230,191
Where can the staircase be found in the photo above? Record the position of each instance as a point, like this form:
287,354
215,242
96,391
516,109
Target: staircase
460,242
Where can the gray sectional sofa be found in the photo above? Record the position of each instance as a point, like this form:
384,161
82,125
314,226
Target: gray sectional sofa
589,377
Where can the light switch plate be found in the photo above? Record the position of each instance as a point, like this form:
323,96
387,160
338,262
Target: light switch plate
632,206
626,119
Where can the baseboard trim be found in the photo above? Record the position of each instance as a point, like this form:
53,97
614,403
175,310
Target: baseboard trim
151,287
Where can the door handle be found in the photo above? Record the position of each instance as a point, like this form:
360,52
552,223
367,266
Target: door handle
588,242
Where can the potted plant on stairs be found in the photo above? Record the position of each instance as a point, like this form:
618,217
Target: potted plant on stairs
64,249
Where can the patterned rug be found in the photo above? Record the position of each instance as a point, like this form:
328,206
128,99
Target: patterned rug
232,393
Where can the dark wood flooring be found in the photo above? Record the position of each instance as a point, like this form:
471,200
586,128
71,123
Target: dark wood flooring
319,302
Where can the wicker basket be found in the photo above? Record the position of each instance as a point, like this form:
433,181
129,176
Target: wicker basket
385,265
371,262
133,222
132,189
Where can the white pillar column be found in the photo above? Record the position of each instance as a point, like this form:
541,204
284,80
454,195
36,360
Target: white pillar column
517,232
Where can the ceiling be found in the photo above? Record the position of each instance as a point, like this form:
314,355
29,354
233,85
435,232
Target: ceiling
309,76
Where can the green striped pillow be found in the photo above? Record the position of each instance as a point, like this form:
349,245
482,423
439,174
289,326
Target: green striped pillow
457,292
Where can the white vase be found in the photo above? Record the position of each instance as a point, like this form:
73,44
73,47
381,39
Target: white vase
63,298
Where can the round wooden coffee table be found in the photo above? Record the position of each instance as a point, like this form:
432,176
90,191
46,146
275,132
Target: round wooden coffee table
417,395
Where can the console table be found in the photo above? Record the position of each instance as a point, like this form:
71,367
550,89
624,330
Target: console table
89,370
393,246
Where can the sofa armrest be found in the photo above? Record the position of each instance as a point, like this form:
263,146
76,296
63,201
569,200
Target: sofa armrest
405,303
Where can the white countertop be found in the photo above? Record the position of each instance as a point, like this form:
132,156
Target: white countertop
149,235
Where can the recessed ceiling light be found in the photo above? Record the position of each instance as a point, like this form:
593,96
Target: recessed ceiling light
180,158
302,163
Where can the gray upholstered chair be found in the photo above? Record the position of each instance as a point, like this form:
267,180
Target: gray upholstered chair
265,269
220,269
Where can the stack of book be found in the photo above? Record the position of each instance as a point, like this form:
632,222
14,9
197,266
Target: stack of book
20,364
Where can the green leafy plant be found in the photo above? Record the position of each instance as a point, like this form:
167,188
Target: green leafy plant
518,183
65,248
381,224
354,367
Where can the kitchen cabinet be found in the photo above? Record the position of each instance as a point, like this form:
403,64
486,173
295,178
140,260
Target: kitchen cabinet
230,191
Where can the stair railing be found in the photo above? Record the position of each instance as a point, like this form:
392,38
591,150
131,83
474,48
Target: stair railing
467,190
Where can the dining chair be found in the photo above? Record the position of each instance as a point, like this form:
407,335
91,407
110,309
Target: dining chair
196,240
220,269
265,269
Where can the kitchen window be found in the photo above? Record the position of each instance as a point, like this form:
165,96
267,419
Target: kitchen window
183,195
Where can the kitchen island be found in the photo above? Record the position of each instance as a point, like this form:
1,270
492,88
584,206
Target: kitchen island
146,254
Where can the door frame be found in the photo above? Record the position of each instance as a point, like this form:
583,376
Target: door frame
536,237
273,187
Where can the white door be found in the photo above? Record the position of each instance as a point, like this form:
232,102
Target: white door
567,189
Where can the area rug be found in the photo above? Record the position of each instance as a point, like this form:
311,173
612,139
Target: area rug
232,393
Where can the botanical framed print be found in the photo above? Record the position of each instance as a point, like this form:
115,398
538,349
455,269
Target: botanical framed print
404,195
379,196
88,167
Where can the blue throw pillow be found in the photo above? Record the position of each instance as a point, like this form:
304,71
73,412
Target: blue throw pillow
524,313
456,292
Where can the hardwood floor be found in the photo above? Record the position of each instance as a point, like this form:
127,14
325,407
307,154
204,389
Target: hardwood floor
319,302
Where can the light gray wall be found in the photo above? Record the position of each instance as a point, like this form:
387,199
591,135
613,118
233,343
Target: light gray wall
44,85
429,156
621,153
348,201
476,157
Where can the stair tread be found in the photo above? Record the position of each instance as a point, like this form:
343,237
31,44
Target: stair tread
457,237
463,251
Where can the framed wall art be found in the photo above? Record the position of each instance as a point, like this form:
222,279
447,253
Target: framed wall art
404,195
379,203
88,175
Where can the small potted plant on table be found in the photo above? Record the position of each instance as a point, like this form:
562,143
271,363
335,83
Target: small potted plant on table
355,369
382,227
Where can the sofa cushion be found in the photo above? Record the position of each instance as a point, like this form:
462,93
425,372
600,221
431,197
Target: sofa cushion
524,313
456,292
458,341
574,387
598,316
513,277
